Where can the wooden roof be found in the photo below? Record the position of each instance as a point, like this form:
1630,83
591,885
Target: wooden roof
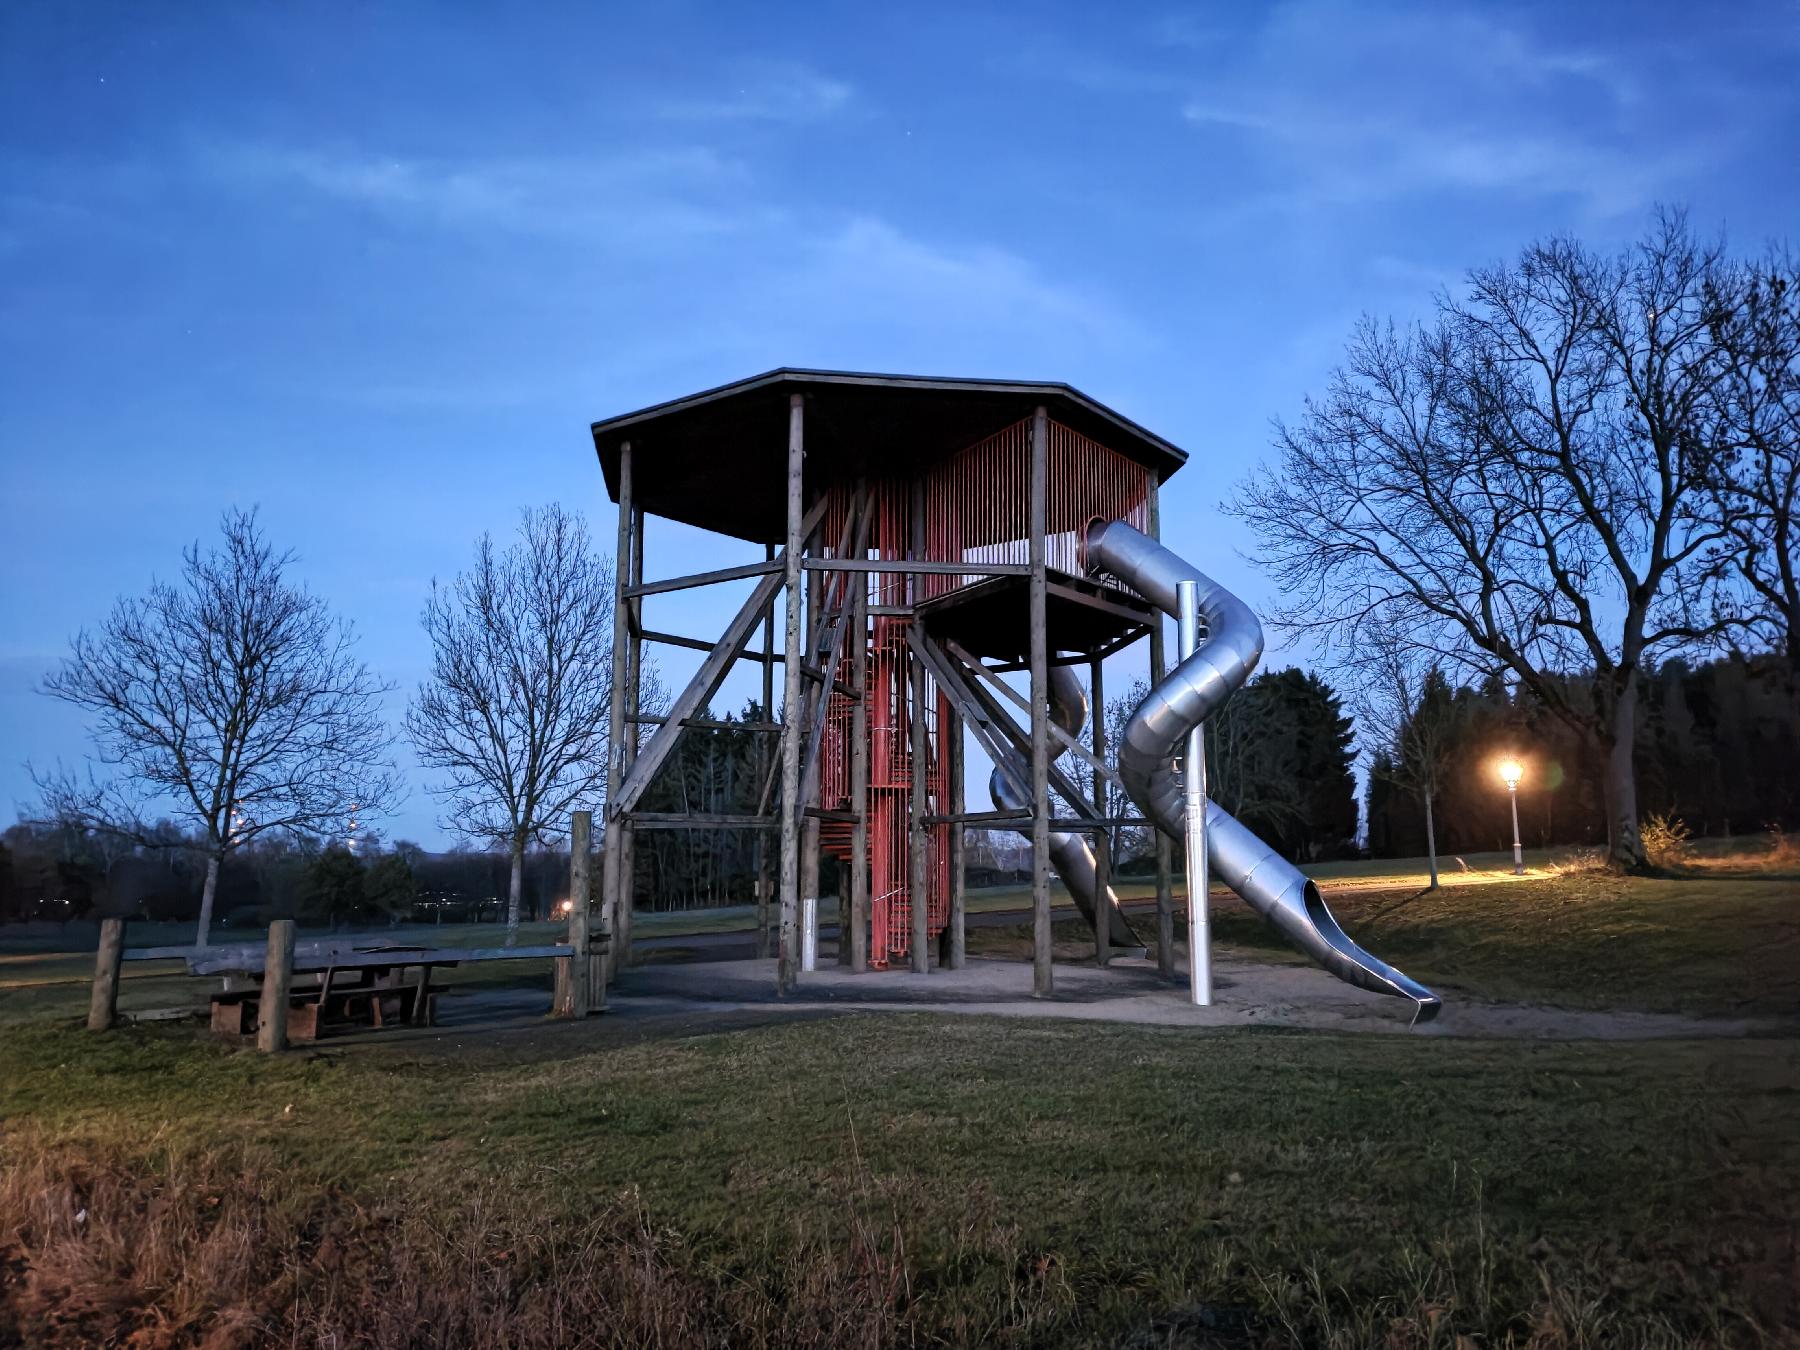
718,459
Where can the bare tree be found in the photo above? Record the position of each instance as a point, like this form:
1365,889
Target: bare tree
1756,489
514,711
230,698
1520,484
1408,714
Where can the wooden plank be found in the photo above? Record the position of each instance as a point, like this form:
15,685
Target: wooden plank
103,998
219,961
693,579
1043,983
572,997
613,882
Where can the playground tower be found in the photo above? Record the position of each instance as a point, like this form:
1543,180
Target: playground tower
921,537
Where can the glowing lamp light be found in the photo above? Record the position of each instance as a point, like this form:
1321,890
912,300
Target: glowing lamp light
563,907
1511,771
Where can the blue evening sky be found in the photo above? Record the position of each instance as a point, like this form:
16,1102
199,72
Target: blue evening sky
375,267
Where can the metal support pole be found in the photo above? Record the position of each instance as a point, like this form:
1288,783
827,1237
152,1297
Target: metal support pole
1512,790
1042,976
1103,837
103,999
278,980
613,880
1165,850
1193,779
792,718
809,933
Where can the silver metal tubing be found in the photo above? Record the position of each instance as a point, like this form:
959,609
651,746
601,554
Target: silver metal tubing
1070,854
1159,728
1193,779
809,933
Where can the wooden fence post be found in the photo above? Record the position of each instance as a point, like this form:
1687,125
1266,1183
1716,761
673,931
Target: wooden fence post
103,1004
572,987
278,980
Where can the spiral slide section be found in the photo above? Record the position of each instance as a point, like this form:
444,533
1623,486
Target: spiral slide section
1157,733
1071,857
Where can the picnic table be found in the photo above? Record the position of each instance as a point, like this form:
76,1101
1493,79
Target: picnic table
338,983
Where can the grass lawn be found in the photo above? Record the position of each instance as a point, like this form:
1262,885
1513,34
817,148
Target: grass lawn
884,1179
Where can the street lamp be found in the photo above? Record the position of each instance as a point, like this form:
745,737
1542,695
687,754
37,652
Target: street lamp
1511,771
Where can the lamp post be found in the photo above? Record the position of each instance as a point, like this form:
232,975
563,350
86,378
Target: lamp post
1511,771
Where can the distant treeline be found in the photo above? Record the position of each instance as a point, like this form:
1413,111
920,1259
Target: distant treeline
1717,747
63,872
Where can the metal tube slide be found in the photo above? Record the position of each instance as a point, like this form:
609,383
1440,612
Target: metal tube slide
1269,884
1070,855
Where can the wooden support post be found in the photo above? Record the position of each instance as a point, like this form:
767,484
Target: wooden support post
810,777
1103,909
858,919
103,1002
572,996
613,880
1165,853
793,721
1042,977
633,691
957,951
278,981
764,881
918,874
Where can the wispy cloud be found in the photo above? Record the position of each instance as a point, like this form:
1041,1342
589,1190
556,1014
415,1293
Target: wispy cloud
647,196
1351,105
764,91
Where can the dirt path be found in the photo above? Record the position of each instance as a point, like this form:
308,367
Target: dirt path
696,998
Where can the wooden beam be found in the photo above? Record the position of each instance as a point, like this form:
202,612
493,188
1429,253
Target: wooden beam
613,882
858,943
957,952
702,645
693,579
1043,983
706,723
917,567
686,820
1061,737
700,688
1074,595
